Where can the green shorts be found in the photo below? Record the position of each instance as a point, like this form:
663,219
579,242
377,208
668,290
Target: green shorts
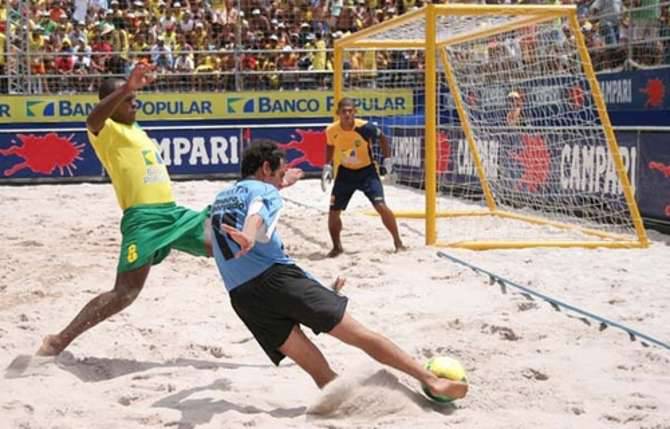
150,231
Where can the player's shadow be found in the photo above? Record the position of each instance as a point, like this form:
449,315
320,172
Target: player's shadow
201,411
92,369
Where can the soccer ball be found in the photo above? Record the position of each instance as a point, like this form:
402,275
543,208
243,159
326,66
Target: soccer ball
444,367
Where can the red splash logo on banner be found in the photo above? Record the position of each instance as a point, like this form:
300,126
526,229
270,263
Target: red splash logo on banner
312,146
535,162
443,152
576,97
665,169
43,154
246,136
659,166
655,91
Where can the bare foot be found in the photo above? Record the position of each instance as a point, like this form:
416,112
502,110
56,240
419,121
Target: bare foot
336,251
400,248
51,346
338,284
452,389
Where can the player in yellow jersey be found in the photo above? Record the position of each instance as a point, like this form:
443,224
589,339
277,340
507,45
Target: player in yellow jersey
353,139
152,223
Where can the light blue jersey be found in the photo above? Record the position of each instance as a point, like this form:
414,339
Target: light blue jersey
232,207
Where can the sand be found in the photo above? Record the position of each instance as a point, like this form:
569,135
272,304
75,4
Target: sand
179,357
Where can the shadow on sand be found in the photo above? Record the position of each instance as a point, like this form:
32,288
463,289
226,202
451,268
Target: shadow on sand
200,411
93,369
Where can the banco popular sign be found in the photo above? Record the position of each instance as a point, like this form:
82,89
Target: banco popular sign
199,106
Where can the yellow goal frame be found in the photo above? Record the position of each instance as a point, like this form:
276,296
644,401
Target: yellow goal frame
525,15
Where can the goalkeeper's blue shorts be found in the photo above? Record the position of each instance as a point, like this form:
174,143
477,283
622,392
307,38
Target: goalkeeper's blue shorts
349,181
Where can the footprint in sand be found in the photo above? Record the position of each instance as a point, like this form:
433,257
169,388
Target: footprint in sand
503,332
533,374
525,306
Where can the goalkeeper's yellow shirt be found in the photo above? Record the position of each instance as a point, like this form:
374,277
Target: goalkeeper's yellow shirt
353,148
134,164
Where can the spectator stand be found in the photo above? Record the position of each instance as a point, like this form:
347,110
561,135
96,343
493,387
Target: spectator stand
66,46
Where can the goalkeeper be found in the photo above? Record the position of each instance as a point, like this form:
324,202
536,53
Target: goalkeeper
353,139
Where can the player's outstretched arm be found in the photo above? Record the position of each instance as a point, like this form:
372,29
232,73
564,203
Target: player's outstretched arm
292,175
245,238
139,77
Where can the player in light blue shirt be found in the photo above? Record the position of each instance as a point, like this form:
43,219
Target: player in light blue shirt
273,296
232,207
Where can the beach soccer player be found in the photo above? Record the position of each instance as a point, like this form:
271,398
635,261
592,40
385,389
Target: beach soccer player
353,139
152,223
273,296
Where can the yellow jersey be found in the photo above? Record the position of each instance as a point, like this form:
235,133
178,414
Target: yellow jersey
353,148
134,164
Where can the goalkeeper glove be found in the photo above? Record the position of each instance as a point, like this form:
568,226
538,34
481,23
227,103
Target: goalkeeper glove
388,166
326,177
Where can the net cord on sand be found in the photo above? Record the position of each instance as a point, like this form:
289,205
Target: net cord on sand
557,305
303,205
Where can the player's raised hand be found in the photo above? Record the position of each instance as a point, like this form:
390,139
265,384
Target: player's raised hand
245,241
291,176
140,76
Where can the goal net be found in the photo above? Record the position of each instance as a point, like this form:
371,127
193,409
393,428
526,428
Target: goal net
508,143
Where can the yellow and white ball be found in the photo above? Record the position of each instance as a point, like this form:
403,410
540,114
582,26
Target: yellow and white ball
444,367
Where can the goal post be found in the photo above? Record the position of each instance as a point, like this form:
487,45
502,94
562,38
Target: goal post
508,139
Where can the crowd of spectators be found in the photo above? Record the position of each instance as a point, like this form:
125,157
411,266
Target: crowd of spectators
208,44
631,33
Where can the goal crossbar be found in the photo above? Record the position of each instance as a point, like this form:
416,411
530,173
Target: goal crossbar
361,38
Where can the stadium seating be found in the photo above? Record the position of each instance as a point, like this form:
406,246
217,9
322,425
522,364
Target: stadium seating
254,44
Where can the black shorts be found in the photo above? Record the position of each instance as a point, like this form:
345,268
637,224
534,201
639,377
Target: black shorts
272,303
348,181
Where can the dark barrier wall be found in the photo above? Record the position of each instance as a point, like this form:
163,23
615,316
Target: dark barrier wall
216,151
654,175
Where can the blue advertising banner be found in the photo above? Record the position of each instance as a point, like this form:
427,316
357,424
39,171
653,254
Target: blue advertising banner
60,155
639,98
199,151
64,154
305,147
530,163
654,192
53,154
638,90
